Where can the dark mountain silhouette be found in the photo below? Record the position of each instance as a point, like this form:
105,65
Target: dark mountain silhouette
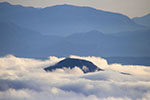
84,65
145,20
66,19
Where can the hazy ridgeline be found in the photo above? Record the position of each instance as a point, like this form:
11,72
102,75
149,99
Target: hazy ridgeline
63,30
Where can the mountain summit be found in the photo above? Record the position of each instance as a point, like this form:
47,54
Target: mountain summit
84,65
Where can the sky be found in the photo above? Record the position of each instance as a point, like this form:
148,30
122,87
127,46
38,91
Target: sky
131,8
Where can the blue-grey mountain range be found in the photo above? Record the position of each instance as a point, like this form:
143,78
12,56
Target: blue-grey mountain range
63,30
144,20
23,42
66,19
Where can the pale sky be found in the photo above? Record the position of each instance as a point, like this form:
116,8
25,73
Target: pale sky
131,8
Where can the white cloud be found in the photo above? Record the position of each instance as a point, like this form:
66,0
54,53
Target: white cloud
102,63
25,79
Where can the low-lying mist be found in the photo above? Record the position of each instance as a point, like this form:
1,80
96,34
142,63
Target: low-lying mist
26,79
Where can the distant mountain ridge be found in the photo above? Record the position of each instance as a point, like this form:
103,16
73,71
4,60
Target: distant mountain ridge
23,29
65,19
21,41
27,43
144,20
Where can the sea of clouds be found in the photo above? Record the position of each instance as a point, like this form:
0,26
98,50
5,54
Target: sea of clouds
25,79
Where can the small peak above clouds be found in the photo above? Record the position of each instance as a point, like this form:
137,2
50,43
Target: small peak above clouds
85,65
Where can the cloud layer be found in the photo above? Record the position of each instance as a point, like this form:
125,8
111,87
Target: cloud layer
25,79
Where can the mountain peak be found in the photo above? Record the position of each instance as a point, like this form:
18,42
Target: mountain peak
144,20
148,15
72,62
4,4
69,6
